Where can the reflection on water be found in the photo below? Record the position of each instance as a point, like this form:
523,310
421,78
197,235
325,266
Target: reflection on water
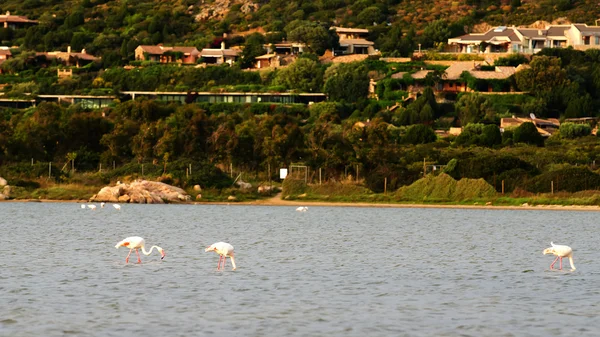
336,271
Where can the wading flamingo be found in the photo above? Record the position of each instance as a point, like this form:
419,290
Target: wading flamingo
302,209
136,242
224,250
101,205
117,206
82,206
92,207
560,251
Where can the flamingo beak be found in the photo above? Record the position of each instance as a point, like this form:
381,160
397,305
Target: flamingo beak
163,254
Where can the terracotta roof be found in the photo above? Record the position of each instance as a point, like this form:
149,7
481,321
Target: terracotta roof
5,52
398,75
65,56
350,30
265,57
208,52
346,42
499,73
456,69
159,50
420,74
16,19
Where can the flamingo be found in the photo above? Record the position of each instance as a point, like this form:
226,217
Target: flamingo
560,251
117,206
302,209
136,242
101,205
92,207
83,206
224,250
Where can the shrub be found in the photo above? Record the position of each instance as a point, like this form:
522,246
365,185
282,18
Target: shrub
571,130
570,179
293,187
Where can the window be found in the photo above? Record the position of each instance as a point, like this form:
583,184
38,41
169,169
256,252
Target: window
597,40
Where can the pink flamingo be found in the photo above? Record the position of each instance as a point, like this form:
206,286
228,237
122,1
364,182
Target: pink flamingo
560,251
136,242
224,250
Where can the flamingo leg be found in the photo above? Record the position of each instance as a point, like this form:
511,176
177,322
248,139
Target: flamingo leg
560,263
553,262
127,258
139,258
219,263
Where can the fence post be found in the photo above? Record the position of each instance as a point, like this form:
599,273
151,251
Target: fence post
113,164
502,186
187,170
552,186
100,170
319,176
49,169
385,185
142,170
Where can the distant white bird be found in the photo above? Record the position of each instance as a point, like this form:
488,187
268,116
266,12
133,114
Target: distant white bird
224,250
136,242
101,205
82,206
117,206
92,207
302,209
560,251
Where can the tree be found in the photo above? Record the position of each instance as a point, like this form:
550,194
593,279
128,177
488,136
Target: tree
419,134
436,33
473,108
391,42
316,37
348,82
527,133
370,16
571,130
252,49
544,74
304,75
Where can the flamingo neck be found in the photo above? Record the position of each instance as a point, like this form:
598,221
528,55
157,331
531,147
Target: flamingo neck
571,262
150,251
232,261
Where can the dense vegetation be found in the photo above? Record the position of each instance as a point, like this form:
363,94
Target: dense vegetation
349,137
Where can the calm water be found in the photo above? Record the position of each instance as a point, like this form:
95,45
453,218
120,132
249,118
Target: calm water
332,271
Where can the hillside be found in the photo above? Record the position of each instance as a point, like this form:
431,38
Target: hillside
116,28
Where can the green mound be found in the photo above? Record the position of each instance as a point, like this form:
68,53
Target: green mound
444,188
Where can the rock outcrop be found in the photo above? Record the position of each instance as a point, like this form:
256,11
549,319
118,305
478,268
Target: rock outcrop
4,189
141,192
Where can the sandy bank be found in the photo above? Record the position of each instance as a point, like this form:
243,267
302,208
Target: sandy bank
277,201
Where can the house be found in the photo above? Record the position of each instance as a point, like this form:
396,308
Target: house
267,61
545,127
503,39
69,58
353,41
4,54
16,21
219,56
286,48
163,54
452,81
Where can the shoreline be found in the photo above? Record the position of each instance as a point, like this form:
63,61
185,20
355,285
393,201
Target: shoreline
276,201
